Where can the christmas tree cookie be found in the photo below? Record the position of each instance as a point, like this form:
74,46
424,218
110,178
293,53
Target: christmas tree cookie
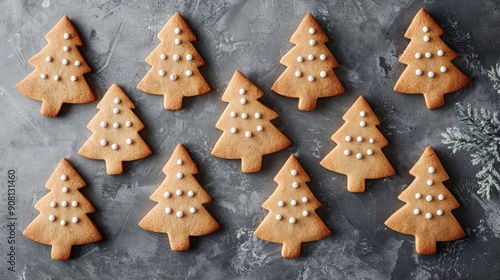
248,131
292,218
63,222
180,212
115,130
358,153
309,74
427,213
58,77
174,72
429,71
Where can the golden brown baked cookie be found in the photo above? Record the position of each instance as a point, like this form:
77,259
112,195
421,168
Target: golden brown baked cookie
63,222
427,213
429,71
58,77
309,74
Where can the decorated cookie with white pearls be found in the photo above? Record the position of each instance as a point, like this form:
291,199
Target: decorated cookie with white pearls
115,130
429,69
174,65
292,218
63,220
309,74
427,214
59,74
180,212
358,153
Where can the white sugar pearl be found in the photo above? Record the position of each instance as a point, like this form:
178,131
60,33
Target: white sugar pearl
117,100
242,91
257,115
53,204
179,214
116,125
359,156
295,185
56,78
78,63
260,128
243,101
359,138
310,57
65,61
279,217
162,73
418,72
116,111
439,212
312,42
312,30
322,57
65,189
168,210
64,203
43,76
66,48
192,210
362,123
428,55
305,199
322,74
305,213
248,134
431,170
369,152
310,78
190,193
443,69
298,73
52,218
300,59
362,113
163,56
371,140
418,55
128,124
64,177
48,59
426,38
347,152
128,141
416,211
293,172
244,116
348,138
66,36
418,195
233,130
281,203
179,162
293,202
232,114
114,146
176,57
173,77
63,222
103,142
430,182
177,30
166,194
440,53
104,124
425,29
179,175
74,203
178,192
292,220
73,78
177,41
441,197
189,57
428,216
428,198
74,220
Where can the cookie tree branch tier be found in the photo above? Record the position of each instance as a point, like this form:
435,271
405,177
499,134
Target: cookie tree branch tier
309,74
115,130
359,151
427,213
292,218
429,71
58,77
248,131
63,222
180,212
174,72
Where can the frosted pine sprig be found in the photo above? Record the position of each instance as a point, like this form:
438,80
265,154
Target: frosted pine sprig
494,74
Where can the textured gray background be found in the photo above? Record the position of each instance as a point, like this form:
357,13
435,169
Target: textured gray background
366,38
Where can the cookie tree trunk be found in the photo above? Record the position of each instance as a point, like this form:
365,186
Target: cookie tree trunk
179,242
291,249
60,252
355,183
425,245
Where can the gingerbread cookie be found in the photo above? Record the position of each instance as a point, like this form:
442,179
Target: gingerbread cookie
180,212
115,130
58,77
309,74
175,63
63,222
427,213
248,131
292,218
359,151
429,71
